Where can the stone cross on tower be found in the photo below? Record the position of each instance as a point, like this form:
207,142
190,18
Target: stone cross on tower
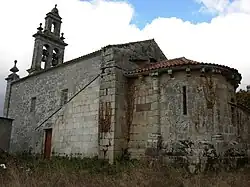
49,46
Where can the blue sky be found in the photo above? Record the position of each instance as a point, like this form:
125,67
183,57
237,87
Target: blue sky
187,10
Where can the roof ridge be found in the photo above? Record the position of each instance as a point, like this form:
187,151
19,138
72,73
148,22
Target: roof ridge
128,43
185,59
193,61
177,58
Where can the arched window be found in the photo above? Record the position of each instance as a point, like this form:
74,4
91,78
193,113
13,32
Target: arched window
53,26
45,55
55,57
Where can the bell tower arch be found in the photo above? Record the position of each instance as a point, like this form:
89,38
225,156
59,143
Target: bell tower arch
49,45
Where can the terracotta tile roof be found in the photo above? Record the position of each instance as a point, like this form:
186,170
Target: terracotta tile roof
173,63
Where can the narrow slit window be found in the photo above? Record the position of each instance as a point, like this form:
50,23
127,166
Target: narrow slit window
106,91
184,96
233,112
33,104
64,97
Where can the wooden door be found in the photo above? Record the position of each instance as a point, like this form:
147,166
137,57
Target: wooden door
47,143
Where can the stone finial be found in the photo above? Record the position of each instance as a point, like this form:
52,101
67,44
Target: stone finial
62,36
40,27
248,88
14,69
55,10
13,75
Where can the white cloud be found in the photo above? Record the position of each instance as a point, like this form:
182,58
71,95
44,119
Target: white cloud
89,25
225,6
223,41
214,6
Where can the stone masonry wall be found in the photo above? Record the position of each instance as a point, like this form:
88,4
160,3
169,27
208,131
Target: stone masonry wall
208,111
126,54
114,93
243,123
47,87
75,127
123,54
107,106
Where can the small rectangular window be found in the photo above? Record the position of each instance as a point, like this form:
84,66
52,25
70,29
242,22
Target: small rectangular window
33,104
184,97
64,97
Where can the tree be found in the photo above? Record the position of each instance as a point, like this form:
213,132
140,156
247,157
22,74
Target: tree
243,98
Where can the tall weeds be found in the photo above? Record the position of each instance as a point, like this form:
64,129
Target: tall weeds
33,171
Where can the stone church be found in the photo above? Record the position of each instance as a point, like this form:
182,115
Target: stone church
122,98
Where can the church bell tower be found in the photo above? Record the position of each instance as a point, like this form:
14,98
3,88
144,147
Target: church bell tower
49,45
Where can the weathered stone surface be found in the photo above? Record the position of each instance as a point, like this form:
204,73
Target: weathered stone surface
76,118
143,107
201,122
144,115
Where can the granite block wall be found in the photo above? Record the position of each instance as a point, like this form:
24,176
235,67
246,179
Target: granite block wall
47,87
116,113
114,129
75,127
158,111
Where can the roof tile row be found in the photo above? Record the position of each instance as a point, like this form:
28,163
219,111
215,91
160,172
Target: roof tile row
172,63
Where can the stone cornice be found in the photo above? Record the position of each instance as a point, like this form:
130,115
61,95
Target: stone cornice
50,37
230,74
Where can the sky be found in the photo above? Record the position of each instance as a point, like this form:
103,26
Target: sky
148,10
212,31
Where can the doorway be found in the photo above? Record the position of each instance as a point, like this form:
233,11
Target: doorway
47,143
